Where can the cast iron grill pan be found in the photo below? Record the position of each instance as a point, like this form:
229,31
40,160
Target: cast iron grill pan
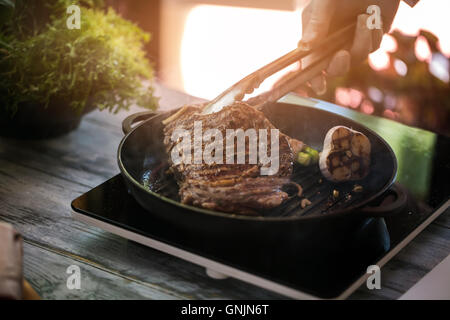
143,163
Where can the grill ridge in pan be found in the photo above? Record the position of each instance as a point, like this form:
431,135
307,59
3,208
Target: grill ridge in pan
315,188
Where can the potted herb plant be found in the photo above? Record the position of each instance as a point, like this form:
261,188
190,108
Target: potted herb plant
50,75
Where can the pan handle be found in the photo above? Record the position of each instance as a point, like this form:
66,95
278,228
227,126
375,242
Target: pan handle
127,124
391,208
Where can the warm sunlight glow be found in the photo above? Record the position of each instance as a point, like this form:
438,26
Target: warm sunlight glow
367,107
389,44
422,50
222,44
427,15
379,60
430,15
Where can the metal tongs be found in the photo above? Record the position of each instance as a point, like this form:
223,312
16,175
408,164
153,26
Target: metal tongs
321,55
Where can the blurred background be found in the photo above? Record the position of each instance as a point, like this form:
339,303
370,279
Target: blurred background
203,46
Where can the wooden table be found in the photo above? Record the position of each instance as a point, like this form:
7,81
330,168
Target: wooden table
39,179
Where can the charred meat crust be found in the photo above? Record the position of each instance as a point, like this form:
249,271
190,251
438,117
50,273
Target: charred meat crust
232,188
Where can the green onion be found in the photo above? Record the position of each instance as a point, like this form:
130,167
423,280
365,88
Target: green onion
313,153
303,159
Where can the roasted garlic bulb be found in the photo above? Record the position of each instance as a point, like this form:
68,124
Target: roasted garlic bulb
345,155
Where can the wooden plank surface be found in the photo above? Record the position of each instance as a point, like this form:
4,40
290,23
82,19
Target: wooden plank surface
46,270
39,179
41,212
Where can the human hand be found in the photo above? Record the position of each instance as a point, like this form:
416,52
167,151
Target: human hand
322,17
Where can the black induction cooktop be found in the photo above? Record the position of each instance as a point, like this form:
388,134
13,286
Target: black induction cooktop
333,274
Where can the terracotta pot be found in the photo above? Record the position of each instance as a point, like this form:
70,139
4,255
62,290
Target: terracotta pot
34,121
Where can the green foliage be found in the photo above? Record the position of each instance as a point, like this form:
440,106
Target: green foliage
102,64
30,17
6,11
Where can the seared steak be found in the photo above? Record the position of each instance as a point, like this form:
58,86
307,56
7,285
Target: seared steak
234,188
